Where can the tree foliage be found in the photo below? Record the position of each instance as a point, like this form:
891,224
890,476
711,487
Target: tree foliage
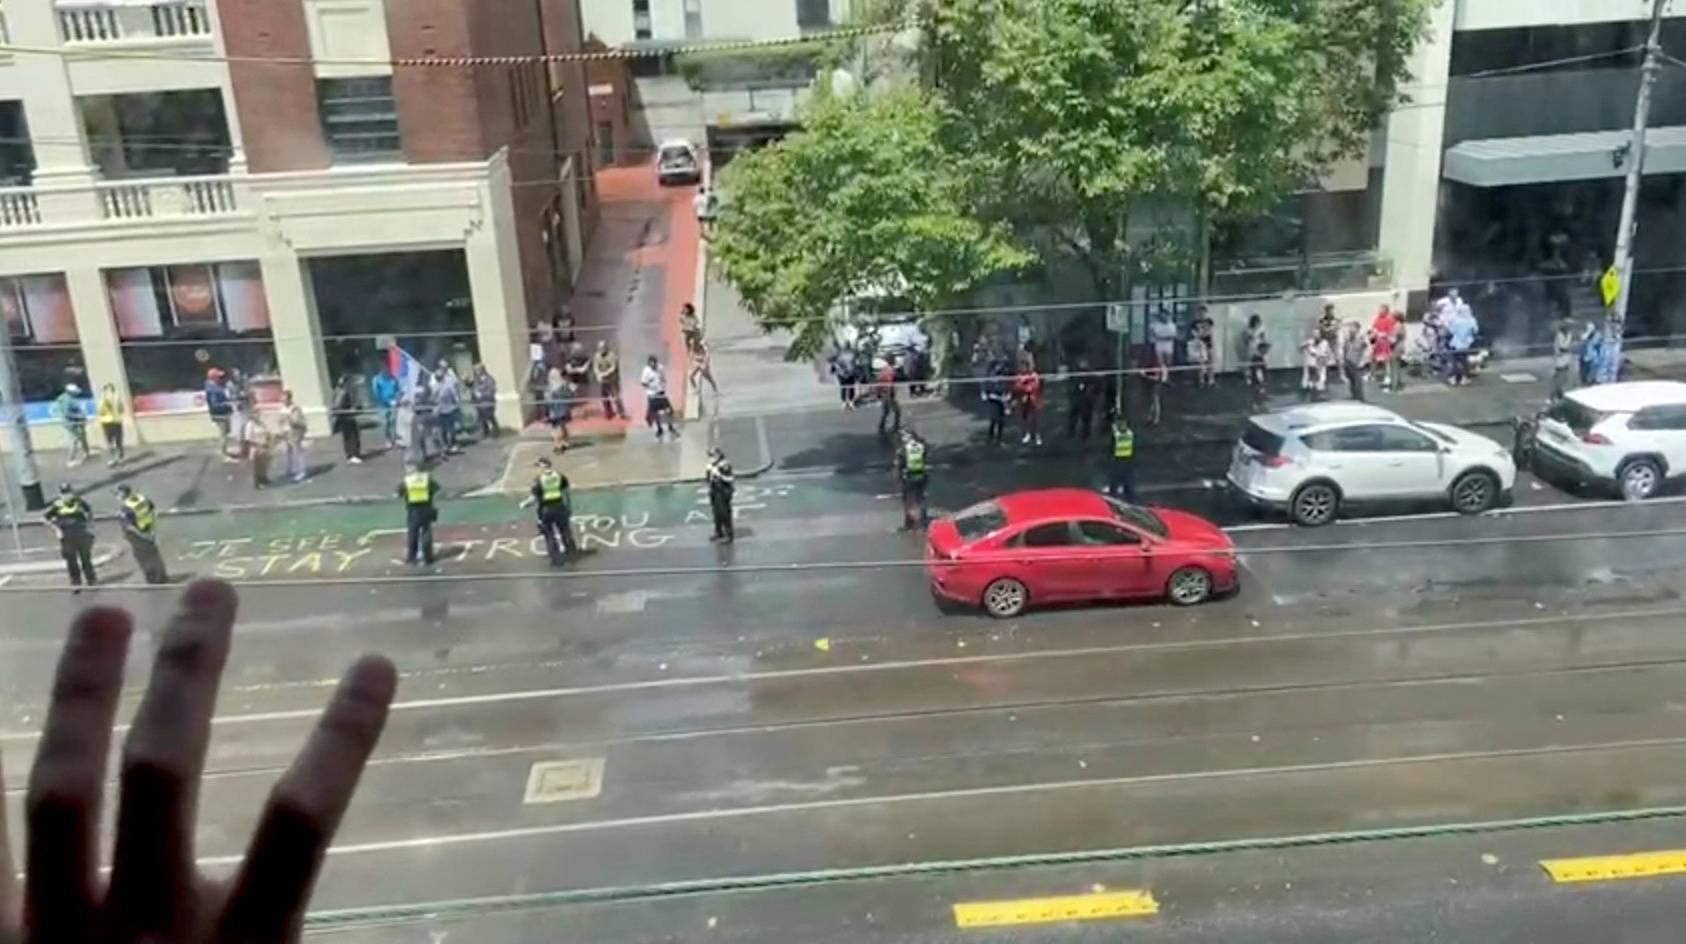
864,198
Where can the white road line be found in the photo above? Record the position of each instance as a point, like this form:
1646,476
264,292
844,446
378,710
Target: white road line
1495,513
662,819
492,698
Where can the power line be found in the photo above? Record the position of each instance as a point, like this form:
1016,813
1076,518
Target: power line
621,53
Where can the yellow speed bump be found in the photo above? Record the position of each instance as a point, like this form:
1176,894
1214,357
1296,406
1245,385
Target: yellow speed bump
988,914
1616,867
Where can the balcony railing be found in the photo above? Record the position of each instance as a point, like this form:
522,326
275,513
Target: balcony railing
97,22
18,207
169,197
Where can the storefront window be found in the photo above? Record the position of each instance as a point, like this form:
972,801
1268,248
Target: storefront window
416,300
177,322
42,330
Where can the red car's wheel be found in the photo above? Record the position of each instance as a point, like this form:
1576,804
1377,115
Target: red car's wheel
1189,586
1005,598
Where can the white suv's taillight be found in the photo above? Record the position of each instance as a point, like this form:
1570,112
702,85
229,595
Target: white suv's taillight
1275,462
1594,439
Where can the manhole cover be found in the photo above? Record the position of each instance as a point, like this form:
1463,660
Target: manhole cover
558,780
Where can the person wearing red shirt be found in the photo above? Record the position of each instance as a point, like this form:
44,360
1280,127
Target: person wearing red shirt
886,390
1386,343
1027,392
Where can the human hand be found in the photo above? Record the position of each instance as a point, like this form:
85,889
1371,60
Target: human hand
156,893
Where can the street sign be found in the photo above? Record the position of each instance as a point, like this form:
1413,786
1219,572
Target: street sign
1609,286
1118,317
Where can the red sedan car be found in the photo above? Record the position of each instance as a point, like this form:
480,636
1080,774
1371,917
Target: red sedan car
1066,545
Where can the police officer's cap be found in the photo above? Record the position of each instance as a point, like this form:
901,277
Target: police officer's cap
65,489
542,462
124,489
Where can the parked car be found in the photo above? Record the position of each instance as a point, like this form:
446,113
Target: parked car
1313,461
1065,545
677,163
1627,436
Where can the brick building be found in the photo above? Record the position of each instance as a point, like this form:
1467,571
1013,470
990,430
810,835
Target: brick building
196,208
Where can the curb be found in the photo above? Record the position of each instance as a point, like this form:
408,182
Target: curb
53,565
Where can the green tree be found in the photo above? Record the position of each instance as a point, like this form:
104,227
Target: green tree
1098,109
864,198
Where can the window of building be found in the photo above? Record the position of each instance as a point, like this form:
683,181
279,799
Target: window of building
175,323
813,14
693,19
417,301
42,329
359,118
156,134
641,19
17,156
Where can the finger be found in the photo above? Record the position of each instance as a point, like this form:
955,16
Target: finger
273,886
152,867
8,875
65,786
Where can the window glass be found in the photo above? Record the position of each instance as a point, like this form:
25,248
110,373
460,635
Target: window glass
1100,533
176,323
1057,534
359,118
1400,439
979,520
42,329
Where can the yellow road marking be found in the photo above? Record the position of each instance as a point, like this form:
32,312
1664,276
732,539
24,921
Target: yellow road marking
985,914
1616,867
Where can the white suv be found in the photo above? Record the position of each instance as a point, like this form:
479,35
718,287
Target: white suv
1628,435
1313,460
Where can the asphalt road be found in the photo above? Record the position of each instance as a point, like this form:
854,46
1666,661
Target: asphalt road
796,704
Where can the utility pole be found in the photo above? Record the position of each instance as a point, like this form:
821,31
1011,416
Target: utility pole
22,482
1616,321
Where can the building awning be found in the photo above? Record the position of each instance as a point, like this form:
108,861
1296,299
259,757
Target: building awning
1552,158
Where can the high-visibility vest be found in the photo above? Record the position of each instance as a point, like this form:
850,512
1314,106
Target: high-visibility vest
914,461
418,488
144,512
1123,442
550,486
69,508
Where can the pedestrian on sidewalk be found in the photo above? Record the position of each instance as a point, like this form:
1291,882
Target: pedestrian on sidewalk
702,368
1201,349
484,388
1258,375
1315,357
343,415
447,407
606,367
1162,331
705,205
1461,331
1121,471
1158,378
1592,353
1562,356
256,445
108,412
550,491
1080,408
1384,346
658,409
578,366
384,391
1328,323
294,437
1027,394
424,439
418,491
140,529
912,468
722,484
72,520
1355,358
846,367
558,409
997,389
240,406
1251,337
74,418
690,328
218,407
890,407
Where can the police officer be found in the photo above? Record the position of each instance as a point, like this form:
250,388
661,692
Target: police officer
418,490
72,520
550,493
721,484
911,466
1121,472
140,529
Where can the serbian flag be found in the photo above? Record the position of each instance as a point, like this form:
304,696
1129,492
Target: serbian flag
408,370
